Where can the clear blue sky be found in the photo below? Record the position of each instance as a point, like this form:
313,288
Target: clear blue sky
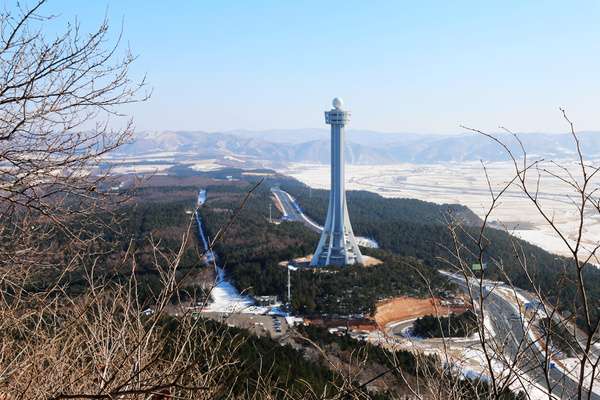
400,66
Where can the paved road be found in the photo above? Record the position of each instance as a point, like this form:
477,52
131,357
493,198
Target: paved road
579,335
292,210
519,349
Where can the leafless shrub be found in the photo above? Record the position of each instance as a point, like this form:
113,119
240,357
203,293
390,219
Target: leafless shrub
528,339
57,95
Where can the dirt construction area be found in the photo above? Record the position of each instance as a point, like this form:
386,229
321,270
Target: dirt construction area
405,308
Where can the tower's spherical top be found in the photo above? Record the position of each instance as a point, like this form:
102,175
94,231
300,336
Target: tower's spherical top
338,102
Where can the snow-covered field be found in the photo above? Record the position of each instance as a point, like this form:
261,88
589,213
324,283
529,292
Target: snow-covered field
469,185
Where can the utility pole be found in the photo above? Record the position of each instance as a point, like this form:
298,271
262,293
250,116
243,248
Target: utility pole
270,204
289,288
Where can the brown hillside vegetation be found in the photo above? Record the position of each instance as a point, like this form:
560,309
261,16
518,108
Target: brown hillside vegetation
403,308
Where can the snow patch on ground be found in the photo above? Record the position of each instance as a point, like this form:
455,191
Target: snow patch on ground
572,366
226,298
367,242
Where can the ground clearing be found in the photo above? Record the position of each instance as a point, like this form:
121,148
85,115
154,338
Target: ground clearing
405,308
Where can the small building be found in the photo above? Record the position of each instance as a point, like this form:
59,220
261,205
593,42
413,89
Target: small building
265,301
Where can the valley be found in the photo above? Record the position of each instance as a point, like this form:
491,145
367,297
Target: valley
255,246
466,183
437,168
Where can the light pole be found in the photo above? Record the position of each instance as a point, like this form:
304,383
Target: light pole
289,290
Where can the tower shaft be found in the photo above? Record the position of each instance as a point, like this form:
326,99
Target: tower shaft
337,244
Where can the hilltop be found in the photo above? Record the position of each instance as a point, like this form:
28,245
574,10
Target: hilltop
275,148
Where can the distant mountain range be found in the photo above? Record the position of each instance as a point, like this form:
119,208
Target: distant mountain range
277,147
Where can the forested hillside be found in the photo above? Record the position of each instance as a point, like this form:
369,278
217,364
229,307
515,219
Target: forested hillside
368,206
141,236
252,364
412,232
252,249
420,231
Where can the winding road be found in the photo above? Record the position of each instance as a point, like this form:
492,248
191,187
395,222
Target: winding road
513,344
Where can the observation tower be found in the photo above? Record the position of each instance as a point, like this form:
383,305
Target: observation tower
337,244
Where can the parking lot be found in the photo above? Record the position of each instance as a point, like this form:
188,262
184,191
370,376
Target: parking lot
276,326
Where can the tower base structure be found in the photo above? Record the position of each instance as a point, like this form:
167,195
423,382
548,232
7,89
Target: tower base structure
337,244
337,248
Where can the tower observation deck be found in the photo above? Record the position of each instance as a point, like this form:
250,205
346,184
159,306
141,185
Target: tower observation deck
337,244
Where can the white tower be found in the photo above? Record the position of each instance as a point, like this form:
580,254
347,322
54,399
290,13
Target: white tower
337,244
